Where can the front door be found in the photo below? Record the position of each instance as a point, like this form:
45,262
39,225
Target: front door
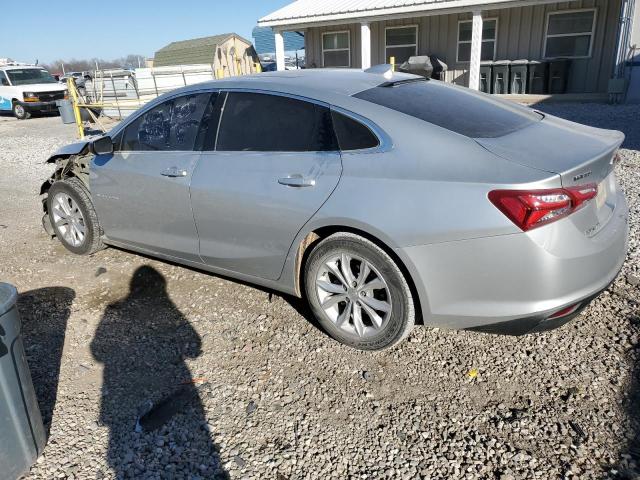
275,163
141,191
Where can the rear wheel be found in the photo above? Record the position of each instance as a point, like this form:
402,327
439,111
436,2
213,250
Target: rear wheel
358,293
20,111
73,217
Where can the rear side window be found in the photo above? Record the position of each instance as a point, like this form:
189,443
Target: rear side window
455,108
256,122
352,135
171,126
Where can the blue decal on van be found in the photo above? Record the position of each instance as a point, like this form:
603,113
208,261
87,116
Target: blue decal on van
5,103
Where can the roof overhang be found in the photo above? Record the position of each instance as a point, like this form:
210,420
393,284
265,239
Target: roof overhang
287,19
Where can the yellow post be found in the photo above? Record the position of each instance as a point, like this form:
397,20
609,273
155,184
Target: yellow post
219,73
258,67
392,61
76,110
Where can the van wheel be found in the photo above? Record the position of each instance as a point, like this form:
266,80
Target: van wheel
73,217
20,112
358,293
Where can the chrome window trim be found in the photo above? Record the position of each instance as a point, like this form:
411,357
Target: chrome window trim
385,143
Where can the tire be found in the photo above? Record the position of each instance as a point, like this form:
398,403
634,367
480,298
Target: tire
386,310
20,111
69,204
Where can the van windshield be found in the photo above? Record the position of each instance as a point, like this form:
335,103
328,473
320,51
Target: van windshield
458,109
29,76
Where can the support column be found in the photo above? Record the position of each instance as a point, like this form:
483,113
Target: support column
279,51
365,45
476,50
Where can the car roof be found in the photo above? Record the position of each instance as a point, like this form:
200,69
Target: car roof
19,67
320,84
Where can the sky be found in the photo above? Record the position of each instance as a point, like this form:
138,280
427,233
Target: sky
115,28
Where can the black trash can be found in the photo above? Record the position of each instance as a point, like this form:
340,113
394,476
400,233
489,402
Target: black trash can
485,76
501,77
518,77
538,77
22,434
558,75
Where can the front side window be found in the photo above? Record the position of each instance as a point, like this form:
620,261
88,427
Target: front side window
457,109
3,80
401,43
336,49
489,36
171,126
257,122
570,34
29,76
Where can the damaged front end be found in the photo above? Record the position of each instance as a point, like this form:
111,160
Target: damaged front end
71,161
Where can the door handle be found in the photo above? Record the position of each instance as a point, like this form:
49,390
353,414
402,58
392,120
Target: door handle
174,172
297,181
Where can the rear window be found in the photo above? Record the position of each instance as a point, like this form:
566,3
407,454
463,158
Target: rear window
455,108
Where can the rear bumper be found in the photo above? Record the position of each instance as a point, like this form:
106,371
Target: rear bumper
512,283
534,324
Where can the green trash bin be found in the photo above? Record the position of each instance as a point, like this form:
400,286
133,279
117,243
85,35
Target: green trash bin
501,77
22,434
518,77
485,76
558,75
538,77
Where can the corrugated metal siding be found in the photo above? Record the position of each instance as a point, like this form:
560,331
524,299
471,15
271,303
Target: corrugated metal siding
313,8
520,35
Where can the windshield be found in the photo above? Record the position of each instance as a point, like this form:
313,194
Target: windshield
29,76
455,108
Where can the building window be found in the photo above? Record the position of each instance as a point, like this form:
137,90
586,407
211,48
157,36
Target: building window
336,49
570,34
401,43
489,36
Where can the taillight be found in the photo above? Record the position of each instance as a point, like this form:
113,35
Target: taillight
533,208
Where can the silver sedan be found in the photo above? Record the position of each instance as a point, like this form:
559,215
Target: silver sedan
382,198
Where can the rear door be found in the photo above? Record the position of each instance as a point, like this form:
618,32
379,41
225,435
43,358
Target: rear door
141,191
274,163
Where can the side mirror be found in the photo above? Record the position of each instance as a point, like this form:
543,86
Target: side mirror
102,146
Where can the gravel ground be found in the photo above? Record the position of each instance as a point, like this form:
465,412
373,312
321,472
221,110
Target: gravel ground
248,387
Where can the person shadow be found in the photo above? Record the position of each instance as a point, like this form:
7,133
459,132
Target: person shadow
44,313
150,402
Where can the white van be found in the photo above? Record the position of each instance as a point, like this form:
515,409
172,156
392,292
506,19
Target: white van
26,88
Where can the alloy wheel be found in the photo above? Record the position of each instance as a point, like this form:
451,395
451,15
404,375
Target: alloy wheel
354,295
68,219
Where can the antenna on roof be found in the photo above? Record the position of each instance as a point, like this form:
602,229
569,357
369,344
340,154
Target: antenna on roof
383,69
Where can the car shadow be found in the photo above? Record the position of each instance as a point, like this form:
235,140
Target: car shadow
44,313
631,453
300,305
150,401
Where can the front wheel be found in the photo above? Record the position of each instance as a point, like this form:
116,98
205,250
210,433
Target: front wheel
73,217
20,111
358,293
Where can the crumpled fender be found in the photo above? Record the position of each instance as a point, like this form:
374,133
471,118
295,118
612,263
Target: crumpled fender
78,148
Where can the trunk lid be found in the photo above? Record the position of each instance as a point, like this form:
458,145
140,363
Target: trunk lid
578,153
